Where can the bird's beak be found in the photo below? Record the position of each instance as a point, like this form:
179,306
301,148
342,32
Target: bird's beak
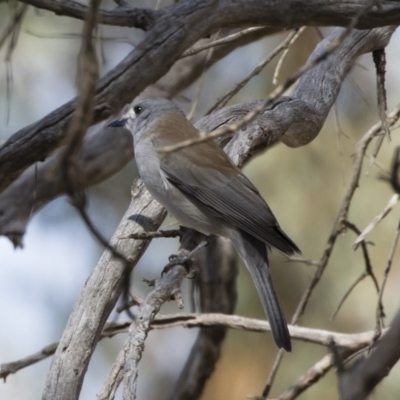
118,123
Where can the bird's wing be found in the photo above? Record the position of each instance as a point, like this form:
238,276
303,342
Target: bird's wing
226,191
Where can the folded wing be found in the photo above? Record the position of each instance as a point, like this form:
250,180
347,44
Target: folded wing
227,192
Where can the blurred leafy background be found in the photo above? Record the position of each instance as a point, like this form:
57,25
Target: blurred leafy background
40,283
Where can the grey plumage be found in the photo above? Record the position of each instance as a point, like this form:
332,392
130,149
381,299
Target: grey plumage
204,190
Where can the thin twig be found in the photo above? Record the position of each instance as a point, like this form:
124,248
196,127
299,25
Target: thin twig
375,151
192,320
347,294
379,322
119,39
80,207
389,207
135,300
110,330
88,72
15,31
81,121
368,266
230,128
368,272
315,373
272,374
226,39
12,30
285,53
14,24
284,45
339,133
200,85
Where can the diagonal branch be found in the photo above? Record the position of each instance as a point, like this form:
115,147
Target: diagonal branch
360,380
98,298
165,288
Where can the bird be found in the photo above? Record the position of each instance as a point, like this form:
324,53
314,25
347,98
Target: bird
204,190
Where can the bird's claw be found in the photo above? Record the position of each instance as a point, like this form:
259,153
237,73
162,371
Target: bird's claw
180,259
174,258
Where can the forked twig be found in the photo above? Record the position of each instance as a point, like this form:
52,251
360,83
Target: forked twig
367,272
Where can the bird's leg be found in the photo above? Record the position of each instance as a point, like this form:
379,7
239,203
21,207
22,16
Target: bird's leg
185,258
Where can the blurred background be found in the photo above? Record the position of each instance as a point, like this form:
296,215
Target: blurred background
40,283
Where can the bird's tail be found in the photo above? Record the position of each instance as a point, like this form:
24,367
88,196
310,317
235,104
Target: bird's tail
254,254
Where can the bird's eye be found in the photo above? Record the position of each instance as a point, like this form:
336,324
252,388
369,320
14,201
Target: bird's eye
137,110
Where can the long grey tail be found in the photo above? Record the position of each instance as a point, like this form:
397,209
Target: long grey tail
256,259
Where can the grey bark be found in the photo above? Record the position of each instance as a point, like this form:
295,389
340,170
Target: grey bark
98,298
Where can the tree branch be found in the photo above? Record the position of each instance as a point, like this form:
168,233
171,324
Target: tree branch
167,287
352,342
98,298
141,18
254,12
359,381
165,42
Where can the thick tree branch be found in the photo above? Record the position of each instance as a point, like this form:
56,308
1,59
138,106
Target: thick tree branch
359,381
262,12
102,155
99,297
141,18
163,44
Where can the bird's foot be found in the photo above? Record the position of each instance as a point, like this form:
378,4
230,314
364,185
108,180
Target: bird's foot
181,259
